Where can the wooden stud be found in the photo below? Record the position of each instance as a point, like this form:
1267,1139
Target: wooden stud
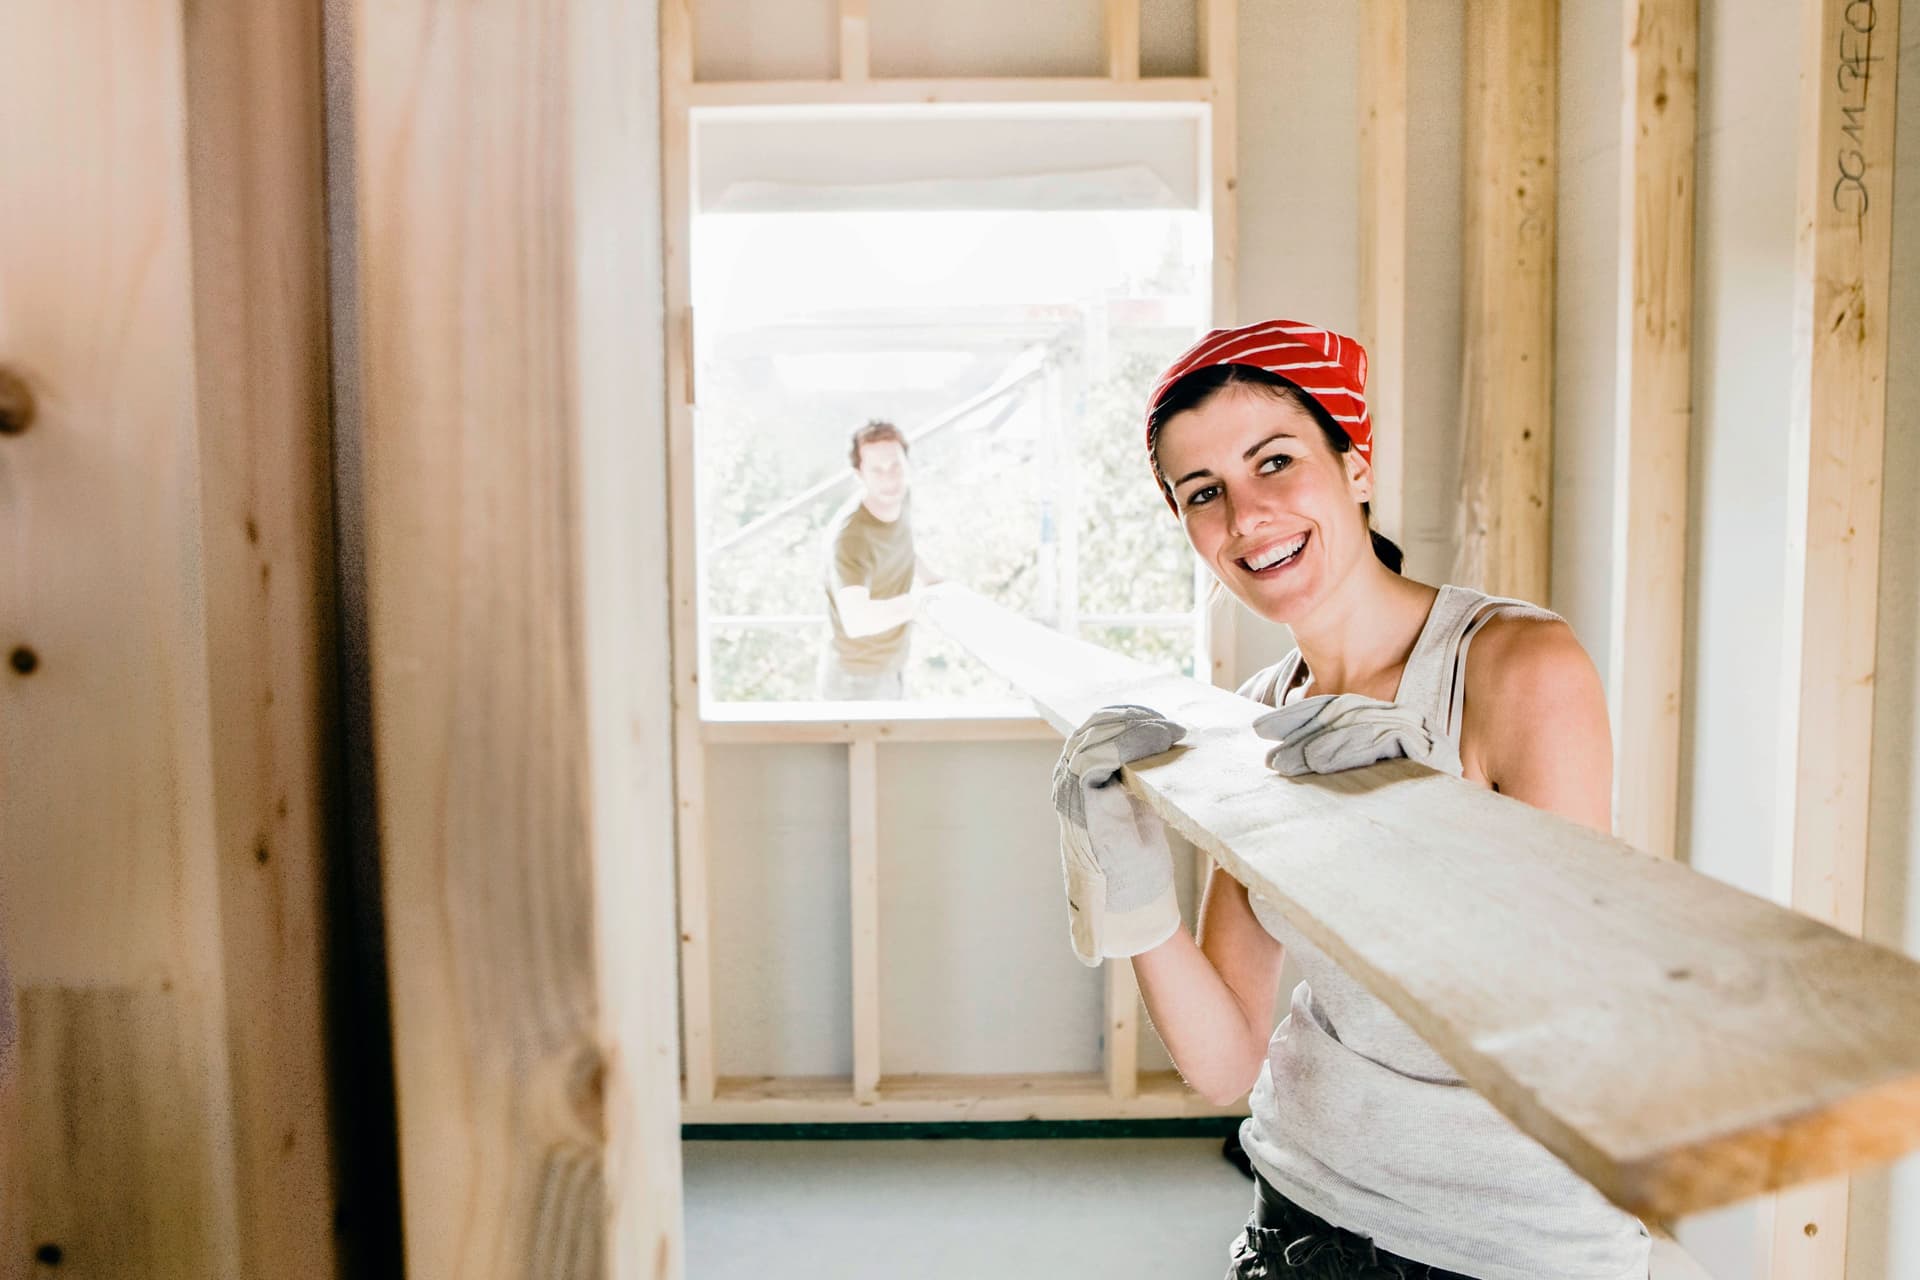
1162,1095
1507,381
1383,248
863,846
855,44
1123,39
512,378
689,752
1677,1042
1123,1030
165,700
1219,64
1850,56
990,89
1654,423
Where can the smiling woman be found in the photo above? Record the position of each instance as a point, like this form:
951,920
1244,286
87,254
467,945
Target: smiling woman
1260,440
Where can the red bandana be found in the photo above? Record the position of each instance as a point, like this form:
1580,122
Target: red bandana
1330,368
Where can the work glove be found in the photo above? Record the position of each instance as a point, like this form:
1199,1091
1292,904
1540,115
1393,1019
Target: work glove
1332,732
1113,849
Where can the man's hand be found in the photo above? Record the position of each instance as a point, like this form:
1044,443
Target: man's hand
1113,850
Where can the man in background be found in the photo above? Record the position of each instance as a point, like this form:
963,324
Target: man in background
871,574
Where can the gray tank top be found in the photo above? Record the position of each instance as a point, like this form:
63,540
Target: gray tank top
1357,1119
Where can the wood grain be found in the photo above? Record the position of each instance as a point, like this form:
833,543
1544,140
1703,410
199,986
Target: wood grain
1507,379
162,296
1837,431
1383,249
512,389
1677,1042
1654,417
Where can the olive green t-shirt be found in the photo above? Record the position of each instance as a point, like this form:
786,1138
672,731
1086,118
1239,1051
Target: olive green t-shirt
864,551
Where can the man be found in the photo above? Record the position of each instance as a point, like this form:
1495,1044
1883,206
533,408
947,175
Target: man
871,572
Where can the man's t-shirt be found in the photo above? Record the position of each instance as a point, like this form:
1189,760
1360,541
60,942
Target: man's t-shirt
863,551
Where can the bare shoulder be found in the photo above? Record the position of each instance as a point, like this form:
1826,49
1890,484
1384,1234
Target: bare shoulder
1520,665
1535,720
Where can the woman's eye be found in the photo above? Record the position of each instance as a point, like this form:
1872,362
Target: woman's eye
1203,495
1278,462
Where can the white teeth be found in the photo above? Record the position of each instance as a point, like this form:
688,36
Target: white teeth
1273,556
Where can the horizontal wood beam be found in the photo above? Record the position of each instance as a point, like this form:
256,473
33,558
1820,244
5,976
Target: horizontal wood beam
789,93
1161,1095
1677,1042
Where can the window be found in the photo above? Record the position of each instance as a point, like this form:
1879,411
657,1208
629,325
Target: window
1003,287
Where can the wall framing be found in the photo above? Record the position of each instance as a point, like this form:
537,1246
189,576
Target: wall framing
1119,1091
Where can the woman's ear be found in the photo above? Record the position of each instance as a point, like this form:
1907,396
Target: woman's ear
1359,475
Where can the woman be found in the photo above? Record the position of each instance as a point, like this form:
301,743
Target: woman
1372,1158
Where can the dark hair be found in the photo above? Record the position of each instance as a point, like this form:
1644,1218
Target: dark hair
874,432
1203,385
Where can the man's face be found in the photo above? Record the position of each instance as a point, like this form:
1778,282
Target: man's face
883,472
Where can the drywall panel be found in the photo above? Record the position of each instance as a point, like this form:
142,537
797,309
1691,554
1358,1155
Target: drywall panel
1883,1239
1586,318
1743,343
765,39
778,883
988,38
976,973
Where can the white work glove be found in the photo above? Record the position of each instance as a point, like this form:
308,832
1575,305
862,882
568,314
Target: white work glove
1113,849
1332,732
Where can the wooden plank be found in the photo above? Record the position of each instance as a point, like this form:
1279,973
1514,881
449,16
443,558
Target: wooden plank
689,754
995,89
855,42
835,722
1074,1096
1678,1043
161,266
255,97
863,848
1655,412
507,173
1122,1040
1838,428
1383,249
1507,379
1123,39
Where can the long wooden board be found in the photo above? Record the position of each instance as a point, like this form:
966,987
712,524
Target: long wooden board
1679,1043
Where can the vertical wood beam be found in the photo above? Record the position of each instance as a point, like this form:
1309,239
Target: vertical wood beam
856,43
512,388
1123,39
162,725
1654,409
1219,65
1123,1030
689,755
863,850
1507,381
1849,60
1383,248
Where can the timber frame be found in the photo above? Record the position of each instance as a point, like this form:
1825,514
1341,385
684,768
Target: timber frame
1119,1091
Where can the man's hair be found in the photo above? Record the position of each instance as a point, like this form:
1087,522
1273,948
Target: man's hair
874,431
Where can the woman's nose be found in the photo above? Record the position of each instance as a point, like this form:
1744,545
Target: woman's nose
1246,513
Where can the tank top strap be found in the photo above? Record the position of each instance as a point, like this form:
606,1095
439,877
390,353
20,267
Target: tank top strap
1436,671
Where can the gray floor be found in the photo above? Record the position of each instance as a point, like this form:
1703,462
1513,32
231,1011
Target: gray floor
1115,1209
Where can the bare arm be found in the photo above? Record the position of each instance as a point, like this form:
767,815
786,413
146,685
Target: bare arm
1212,1001
862,615
1535,722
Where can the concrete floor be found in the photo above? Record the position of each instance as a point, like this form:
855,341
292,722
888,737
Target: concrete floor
1118,1209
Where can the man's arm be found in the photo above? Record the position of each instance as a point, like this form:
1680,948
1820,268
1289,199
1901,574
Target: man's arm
862,615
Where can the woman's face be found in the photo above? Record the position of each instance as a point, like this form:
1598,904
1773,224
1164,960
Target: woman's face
1268,505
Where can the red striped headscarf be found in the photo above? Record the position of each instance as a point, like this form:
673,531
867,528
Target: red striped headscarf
1325,365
